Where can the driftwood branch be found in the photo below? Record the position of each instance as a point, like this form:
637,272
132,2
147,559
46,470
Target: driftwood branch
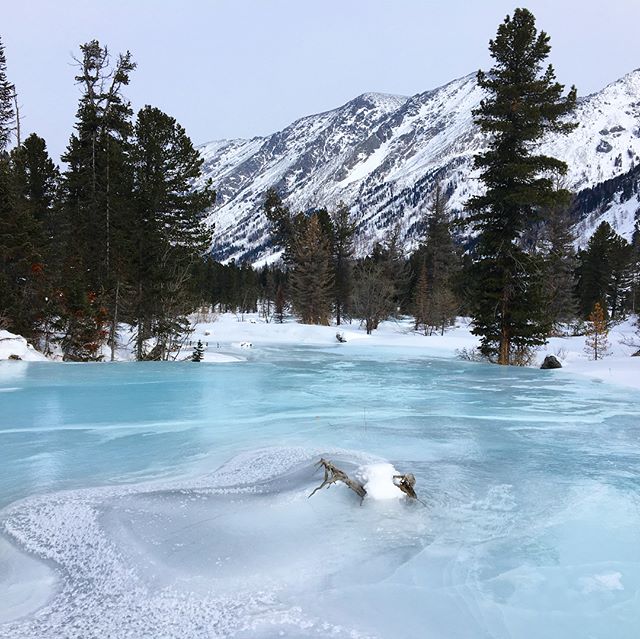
333,475
406,483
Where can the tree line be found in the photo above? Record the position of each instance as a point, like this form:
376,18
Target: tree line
113,238
517,275
118,237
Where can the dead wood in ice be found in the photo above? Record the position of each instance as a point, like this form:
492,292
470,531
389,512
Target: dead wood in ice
333,475
406,483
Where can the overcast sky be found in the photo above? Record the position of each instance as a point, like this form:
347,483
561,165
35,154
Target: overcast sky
240,68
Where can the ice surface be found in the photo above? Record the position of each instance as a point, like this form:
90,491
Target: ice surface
156,500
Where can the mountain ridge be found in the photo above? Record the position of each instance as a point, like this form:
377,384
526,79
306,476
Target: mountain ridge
382,154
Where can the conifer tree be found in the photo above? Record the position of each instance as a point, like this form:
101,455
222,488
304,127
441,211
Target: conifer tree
596,343
604,272
635,269
280,220
421,302
342,254
312,277
524,101
559,267
7,113
442,264
279,304
34,181
169,231
96,187
198,352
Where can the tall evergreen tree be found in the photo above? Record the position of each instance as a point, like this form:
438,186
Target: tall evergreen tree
604,272
421,301
7,112
635,269
342,255
559,267
34,182
438,305
312,277
169,231
280,219
97,185
524,102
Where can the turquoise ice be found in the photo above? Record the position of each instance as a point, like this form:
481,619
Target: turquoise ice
170,500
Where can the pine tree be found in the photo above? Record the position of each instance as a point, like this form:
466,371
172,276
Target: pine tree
635,269
559,268
604,272
169,231
596,343
281,224
442,264
342,254
523,103
34,181
422,302
312,277
97,185
279,304
395,275
198,352
7,113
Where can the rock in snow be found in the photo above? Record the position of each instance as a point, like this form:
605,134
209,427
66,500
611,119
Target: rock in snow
551,361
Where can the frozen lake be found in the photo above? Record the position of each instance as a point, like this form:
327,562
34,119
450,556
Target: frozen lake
170,500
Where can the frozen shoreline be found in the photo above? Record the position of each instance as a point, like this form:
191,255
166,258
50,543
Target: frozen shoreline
230,336
233,331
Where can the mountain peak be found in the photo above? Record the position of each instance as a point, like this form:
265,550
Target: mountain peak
383,154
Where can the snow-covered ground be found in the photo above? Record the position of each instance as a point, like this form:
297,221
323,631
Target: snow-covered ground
15,347
229,337
230,334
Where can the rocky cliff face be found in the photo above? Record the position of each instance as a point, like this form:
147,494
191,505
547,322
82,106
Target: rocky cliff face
383,155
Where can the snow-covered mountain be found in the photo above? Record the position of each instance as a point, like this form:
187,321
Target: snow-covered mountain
383,154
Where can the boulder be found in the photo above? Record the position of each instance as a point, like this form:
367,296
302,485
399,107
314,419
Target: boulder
551,361
636,354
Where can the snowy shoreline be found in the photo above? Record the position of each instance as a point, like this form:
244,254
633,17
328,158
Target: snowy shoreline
229,337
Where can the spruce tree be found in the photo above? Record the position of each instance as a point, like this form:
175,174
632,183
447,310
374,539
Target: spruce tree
198,352
635,269
279,304
168,228
281,224
342,254
34,182
604,272
559,267
442,264
421,302
524,102
312,277
7,113
97,185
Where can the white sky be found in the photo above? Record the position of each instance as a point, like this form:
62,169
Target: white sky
239,68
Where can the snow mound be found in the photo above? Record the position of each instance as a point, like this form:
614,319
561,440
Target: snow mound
14,346
377,480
